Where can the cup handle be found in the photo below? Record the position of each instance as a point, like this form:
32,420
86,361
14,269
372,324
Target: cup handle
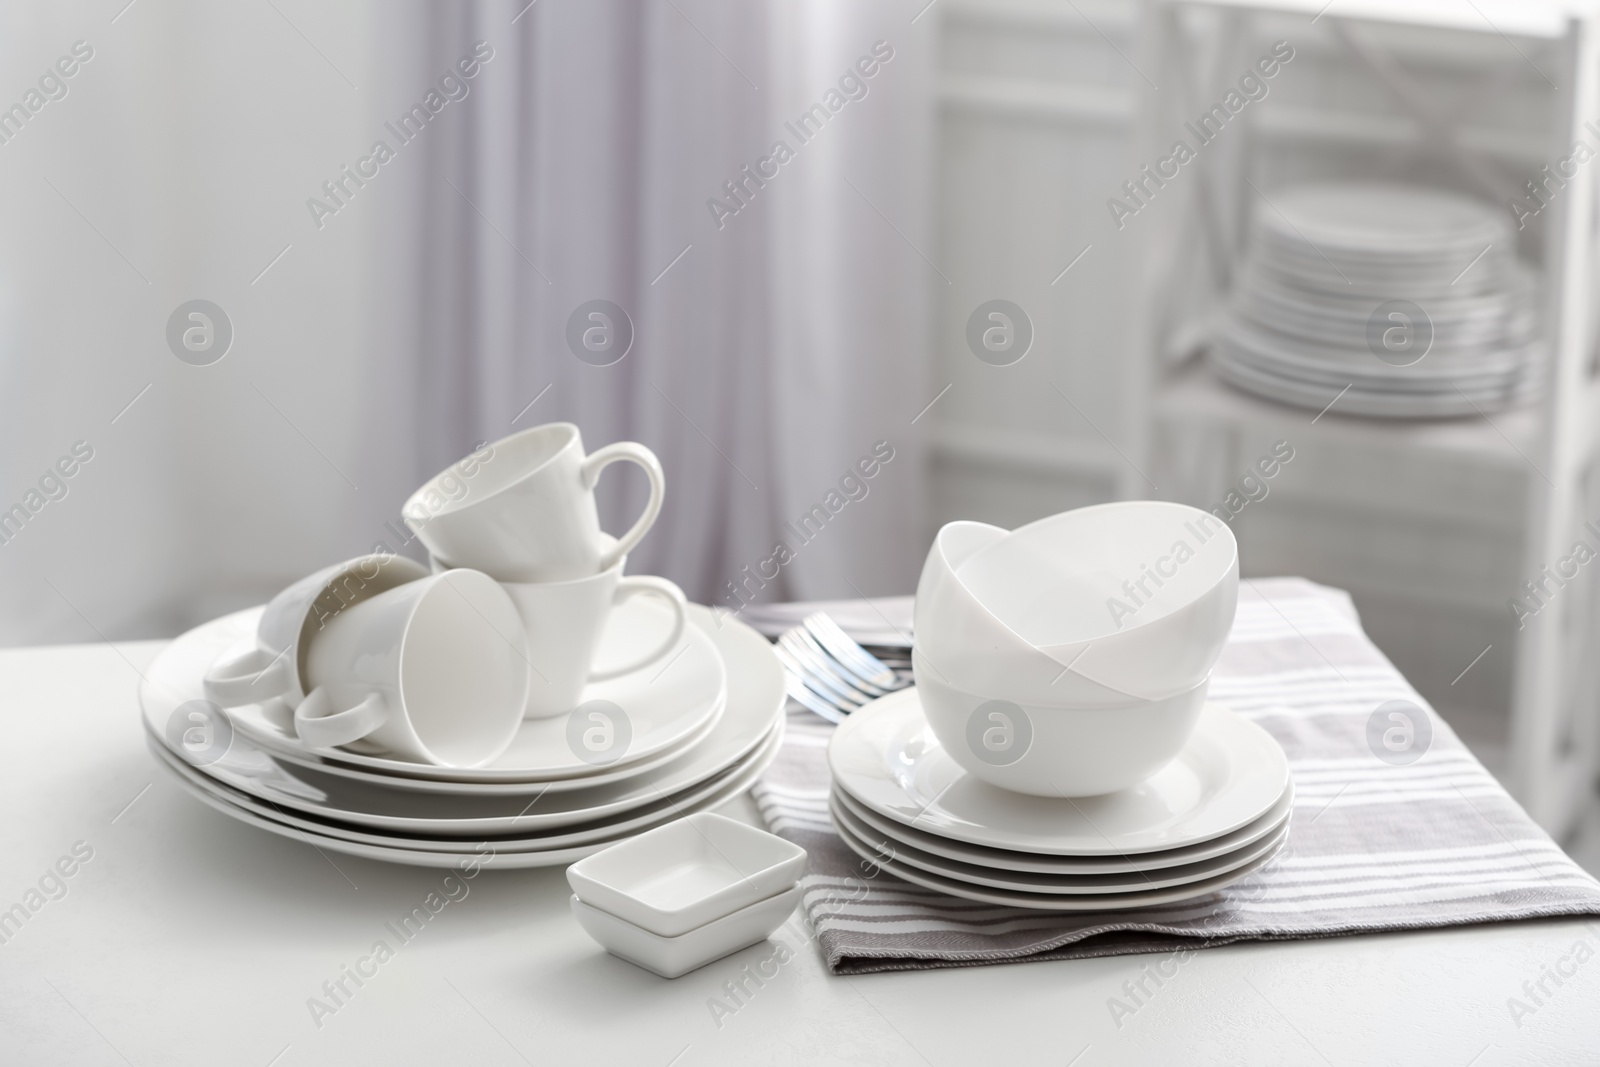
633,452
248,678
646,584
319,726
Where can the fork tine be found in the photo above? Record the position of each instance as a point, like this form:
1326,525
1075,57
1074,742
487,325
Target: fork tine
845,649
803,638
827,672
819,684
820,663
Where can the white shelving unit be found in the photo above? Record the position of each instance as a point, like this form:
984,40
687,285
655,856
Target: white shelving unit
1541,56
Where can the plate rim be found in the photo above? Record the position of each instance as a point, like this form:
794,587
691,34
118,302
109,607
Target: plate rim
610,775
766,691
847,730
1275,816
1060,903
196,778
1274,839
508,860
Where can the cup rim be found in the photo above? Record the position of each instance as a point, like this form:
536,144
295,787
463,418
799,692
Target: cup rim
572,434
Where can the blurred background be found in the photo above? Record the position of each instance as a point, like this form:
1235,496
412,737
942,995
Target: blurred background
955,233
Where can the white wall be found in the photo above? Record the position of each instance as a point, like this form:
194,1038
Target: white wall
189,144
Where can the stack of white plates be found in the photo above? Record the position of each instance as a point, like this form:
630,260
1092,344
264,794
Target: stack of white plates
1329,269
701,728
1212,816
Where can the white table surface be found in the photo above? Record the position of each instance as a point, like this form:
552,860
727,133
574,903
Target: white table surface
192,939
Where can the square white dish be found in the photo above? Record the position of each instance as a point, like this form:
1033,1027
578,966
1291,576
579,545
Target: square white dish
672,956
688,873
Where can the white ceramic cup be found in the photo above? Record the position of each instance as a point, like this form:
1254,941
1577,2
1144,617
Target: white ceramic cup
1053,751
564,622
523,508
275,667
433,671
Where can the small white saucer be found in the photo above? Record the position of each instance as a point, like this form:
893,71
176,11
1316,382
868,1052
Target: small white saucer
1002,860
889,847
1058,902
1229,774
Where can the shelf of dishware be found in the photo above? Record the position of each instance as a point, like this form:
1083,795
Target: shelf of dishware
1193,393
1417,207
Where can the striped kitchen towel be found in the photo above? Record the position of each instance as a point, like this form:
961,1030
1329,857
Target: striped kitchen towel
1374,843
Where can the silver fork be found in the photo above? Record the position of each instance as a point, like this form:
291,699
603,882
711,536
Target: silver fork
826,671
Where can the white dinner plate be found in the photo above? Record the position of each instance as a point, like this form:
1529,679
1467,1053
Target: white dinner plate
1055,902
1438,369
496,855
1229,774
666,702
755,701
618,772
999,859
1401,221
632,822
1355,401
1268,298
1482,390
890,847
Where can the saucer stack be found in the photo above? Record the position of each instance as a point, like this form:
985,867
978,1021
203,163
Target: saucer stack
1330,266
1207,819
1058,751
524,704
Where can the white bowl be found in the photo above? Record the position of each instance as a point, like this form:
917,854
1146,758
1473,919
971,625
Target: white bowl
687,873
1137,596
671,956
967,647
1054,751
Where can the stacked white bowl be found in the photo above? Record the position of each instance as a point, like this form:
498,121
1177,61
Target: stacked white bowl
687,893
1070,657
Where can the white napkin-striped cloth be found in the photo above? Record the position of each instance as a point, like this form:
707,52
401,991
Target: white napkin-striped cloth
1374,844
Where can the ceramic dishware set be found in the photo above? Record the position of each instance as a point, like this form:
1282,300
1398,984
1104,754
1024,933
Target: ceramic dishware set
1058,751
1402,300
522,702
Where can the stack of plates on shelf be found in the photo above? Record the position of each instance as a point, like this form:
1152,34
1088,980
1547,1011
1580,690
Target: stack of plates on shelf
1408,300
1212,816
702,728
